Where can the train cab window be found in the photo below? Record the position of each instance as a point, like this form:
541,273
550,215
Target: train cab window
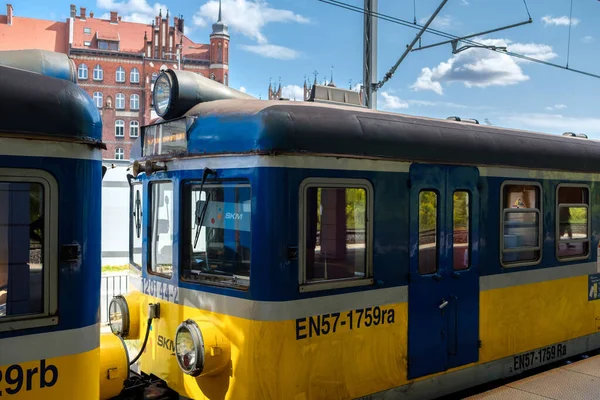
336,234
428,243
521,224
217,238
572,222
161,227
135,225
28,264
461,227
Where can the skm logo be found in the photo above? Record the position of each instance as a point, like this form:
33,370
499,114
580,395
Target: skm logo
16,377
165,343
234,216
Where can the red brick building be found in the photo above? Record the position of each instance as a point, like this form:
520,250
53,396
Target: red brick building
118,62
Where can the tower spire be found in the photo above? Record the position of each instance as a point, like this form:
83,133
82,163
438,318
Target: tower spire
219,20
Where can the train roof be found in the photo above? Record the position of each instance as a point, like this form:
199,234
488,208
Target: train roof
280,127
34,105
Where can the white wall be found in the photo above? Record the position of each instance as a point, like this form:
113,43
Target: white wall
115,215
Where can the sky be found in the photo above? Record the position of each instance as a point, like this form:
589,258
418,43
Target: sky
288,40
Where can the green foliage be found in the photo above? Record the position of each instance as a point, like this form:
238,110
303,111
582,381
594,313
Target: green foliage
115,268
427,211
356,205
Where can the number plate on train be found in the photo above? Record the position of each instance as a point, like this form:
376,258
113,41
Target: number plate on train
536,358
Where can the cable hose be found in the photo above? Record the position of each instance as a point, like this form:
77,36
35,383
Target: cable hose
144,344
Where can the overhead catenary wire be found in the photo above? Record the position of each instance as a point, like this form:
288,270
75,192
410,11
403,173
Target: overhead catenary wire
451,36
569,42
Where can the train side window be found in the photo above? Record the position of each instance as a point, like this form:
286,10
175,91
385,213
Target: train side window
161,228
336,233
521,224
461,221
135,224
217,234
572,222
28,243
428,232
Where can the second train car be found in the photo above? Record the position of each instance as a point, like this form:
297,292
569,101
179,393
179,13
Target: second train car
304,250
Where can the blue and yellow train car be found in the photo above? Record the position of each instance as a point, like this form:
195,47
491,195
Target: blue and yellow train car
50,215
305,250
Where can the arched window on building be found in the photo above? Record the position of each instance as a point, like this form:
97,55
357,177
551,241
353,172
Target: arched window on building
134,76
134,102
134,129
98,99
120,74
219,54
98,73
82,71
120,101
119,128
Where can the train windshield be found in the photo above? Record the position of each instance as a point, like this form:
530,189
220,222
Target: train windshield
217,247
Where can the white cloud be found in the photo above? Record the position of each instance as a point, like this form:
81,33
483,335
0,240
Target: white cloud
293,92
391,102
559,21
588,39
556,107
272,51
132,10
248,17
481,68
242,89
555,123
440,21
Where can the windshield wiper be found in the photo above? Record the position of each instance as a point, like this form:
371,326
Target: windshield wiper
201,213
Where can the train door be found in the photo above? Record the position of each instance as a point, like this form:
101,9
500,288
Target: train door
443,295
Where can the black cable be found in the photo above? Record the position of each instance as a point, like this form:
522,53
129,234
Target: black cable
570,23
415,11
144,344
527,8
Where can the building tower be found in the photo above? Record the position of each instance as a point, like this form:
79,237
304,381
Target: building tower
219,51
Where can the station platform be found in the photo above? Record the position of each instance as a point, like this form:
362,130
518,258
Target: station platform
569,380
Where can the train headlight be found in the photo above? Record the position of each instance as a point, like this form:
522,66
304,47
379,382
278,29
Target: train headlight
189,348
118,316
162,95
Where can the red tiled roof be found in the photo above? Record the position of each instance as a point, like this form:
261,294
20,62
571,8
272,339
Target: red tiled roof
29,33
131,34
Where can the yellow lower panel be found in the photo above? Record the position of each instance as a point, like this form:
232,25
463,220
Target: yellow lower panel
280,360
288,360
69,377
521,318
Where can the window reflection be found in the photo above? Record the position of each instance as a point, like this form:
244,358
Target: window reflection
428,219
336,232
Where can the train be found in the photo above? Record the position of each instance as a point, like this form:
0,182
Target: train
322,250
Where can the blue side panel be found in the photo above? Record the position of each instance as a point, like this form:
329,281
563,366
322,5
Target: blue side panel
274,226
427,336
443,303
79,215
463,310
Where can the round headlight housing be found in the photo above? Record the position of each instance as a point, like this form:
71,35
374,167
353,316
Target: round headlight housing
189,348
162,94
118,316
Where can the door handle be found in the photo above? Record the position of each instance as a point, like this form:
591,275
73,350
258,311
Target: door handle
444,304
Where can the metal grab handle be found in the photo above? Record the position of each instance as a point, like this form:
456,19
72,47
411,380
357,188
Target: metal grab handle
444,304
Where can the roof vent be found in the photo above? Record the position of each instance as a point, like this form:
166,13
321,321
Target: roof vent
572,134
469,120
333,95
